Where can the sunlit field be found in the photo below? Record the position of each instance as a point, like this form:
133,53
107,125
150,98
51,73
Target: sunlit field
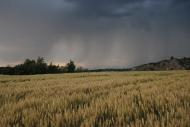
118,99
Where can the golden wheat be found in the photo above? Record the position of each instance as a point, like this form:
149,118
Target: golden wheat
118,99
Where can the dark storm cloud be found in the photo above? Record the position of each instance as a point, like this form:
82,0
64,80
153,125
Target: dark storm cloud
181,2
103,8
95,33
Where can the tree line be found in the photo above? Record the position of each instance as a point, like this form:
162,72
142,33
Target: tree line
39,66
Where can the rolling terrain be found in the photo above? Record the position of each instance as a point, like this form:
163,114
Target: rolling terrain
165,65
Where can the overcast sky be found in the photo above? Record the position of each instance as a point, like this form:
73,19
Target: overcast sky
94,33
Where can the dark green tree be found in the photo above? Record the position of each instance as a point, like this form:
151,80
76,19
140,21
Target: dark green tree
28,67
70,67
41,66
53,69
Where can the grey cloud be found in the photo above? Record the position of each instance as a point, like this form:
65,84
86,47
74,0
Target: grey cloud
101,8
95,33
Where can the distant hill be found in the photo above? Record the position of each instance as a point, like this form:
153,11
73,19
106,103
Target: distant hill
168,64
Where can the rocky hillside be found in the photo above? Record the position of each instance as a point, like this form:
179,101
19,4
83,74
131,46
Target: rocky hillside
169,64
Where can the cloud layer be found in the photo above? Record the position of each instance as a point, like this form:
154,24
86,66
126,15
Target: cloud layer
95,33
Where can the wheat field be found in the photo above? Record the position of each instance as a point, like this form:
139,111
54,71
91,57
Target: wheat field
104,99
